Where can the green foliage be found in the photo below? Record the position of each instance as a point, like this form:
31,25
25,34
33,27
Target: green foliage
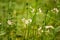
29,19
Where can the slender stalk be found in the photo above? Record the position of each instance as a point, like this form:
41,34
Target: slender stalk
27,18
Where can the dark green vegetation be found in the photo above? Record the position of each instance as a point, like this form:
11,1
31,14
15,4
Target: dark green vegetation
29,19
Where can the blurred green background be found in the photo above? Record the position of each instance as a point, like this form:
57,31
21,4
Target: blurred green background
29,19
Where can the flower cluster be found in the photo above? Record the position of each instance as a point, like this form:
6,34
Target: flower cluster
46,31
39,10
9,22
26,21
55,10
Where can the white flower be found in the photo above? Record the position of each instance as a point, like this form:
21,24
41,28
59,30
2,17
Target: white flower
30,20
55,10
26,21
40,10
47,27
39,28
9,22
32,9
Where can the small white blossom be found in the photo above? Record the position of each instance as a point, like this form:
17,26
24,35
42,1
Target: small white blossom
40,10
30,20
32,9
55,10
26,21
47,27
9,22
